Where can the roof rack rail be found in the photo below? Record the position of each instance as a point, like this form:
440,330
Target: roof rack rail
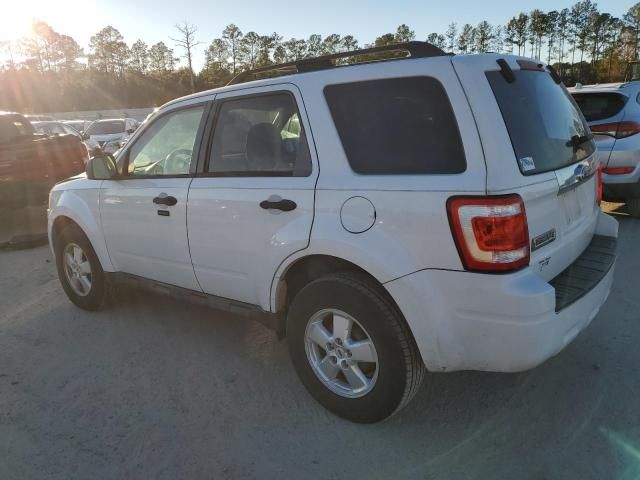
414,49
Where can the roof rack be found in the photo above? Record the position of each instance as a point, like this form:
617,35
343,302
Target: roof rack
414,49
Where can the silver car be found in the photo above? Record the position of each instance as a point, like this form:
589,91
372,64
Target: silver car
613,113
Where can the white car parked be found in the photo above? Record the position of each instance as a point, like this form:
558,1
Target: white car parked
109,134
79,125
436,211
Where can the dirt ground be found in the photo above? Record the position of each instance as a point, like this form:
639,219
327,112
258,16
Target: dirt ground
156,388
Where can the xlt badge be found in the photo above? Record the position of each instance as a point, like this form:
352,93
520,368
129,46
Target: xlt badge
544,239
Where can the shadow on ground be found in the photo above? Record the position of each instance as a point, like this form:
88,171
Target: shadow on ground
155,387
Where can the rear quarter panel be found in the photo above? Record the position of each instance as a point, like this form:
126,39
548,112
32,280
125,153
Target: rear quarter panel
625,152
411,230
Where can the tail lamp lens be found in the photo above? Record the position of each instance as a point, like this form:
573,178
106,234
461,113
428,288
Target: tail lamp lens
84,151
617,129
599,187
491,233
617,170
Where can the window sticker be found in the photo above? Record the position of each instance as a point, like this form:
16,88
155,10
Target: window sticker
527,164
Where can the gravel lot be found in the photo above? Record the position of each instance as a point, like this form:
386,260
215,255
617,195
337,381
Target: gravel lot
155,388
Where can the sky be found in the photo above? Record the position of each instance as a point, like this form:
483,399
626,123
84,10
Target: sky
154,20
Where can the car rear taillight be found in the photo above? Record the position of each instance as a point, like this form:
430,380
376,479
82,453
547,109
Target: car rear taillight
599,184
84,150
617,129
618,170
491,233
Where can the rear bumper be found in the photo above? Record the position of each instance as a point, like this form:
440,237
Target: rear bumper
620,191
621,187
503,323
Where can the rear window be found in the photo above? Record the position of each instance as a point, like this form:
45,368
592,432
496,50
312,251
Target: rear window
600,105
546,127
397,126
13,126
106,128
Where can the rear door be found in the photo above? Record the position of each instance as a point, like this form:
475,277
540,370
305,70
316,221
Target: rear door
602,110
252,204
536,144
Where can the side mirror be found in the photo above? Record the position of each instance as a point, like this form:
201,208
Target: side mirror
131,130
101,167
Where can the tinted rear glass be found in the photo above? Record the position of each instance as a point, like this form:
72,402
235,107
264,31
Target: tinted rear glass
598,106
397,126
546,127
106,128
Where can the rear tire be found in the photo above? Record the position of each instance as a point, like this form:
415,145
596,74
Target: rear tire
346,375
79,269
633,207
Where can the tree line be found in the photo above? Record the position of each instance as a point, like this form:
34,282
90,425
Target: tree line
50,71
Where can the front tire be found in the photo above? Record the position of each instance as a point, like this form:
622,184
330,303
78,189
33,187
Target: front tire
79,269
352,349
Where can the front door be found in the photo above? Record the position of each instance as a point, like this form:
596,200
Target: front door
252,206
144,214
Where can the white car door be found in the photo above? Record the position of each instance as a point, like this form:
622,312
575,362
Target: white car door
144,211
252,204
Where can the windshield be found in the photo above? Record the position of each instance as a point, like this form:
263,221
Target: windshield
106,128
546,126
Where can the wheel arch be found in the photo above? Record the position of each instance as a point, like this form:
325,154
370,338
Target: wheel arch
59,224
64,217
302,270
293,276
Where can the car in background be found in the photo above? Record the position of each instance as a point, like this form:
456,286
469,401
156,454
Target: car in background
31,163
59,128
109,135
38,118
613,113
79,125
55,128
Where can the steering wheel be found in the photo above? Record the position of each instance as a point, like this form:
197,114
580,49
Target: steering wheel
174,164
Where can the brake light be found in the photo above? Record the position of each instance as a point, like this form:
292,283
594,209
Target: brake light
617,129
626,129
84,151
491,233
599,183
617,170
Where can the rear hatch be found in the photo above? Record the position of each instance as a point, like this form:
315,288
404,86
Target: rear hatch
537,145
603,110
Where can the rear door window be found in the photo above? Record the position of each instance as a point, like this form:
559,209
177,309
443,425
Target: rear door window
546,127
599,105
259,136
397,126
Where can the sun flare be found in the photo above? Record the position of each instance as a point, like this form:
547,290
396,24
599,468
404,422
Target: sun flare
17,17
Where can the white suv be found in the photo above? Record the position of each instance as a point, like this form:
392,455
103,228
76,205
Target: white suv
434,211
